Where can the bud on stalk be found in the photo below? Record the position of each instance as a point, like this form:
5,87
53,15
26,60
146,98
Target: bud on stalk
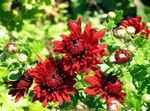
113,105
131,30
22,57
119,32
104,16
11,47
111,15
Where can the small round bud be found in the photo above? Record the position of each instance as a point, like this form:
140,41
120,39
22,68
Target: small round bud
22,57
132,48
113,105
11,47
104,16
111,15
119,32
148,24
131,30
146,97
112,59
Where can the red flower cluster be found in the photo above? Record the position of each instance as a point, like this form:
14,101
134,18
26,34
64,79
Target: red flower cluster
20,87
109,86
82,50
122,56
55,79
136,23
53,83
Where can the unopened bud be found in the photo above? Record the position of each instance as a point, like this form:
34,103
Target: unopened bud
112,59
131,30
146,97
104,16
22,57
111,15
122,56
119,32
11,47
113,105
148,24
132,48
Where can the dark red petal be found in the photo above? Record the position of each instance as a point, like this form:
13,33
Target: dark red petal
18,96
79,20
45,102
93,90
66,97
63,36
59,98
88,26
99,34
93,80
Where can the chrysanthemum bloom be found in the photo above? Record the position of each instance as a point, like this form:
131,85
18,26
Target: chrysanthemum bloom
140,27
82,50
20,87
109,86
53,84
122,56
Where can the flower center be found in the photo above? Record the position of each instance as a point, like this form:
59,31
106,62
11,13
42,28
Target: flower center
75,46
53,80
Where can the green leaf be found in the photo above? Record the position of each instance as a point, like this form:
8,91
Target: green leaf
119,14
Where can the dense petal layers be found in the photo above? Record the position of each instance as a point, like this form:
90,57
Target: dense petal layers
53,83
109,86
20,87
82,50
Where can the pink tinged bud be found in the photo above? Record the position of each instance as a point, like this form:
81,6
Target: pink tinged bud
11,47
113,105
119,32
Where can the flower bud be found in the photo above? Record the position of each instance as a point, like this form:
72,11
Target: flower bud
146,97
112,59
111,15
11,47
22,57
104,16
119,32
122,56
131,30
113,105
132,48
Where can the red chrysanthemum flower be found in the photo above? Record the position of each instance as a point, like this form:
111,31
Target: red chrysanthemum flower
136,23
109,86
53,84
122,56
20,87
82,50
